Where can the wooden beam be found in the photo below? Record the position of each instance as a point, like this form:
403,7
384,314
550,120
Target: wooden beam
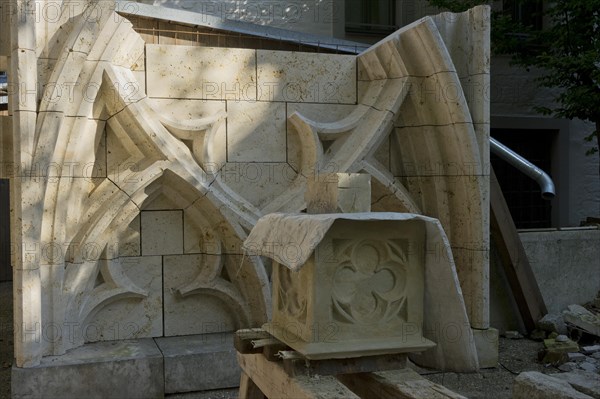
273,381
248,389
514,259
300,366
397,384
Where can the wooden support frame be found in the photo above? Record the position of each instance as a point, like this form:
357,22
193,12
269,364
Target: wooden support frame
290,375
514,259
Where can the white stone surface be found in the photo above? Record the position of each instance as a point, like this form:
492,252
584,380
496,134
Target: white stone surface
194,313
199,362
135,317
201,72
256,131
306,77
162,232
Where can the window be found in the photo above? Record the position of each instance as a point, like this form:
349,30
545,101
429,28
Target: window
375,17
522,194
528,13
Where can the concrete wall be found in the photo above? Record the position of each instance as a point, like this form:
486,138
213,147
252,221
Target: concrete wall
566,264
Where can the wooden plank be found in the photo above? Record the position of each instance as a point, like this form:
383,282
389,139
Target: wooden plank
398,384
514,259
273,381
248,389
242,339
344,366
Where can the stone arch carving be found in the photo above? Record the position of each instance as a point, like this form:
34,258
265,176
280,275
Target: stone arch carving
82,212
398,102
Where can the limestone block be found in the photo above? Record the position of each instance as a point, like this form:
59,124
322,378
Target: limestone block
140,77
486,342
189,113
364,270
451,148
387,94
129,240
306,77
475,88
162,232
198,312
256,131
320,113
258,182
24,93
24,122
438,99
199,362
197,239
474,281
354,192
286,239
383,61
133,367
316,112
467,38
131,318
201,72
338,192
27,309
533,384
322,193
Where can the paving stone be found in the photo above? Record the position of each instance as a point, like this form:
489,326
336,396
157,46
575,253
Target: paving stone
113,369
589,350
588,367
584,381
533,384
569,366
575,357
199,362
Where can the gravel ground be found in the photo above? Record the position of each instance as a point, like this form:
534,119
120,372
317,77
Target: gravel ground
515,356
496,383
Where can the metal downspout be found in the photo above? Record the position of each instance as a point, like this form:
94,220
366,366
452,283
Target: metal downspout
529,169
